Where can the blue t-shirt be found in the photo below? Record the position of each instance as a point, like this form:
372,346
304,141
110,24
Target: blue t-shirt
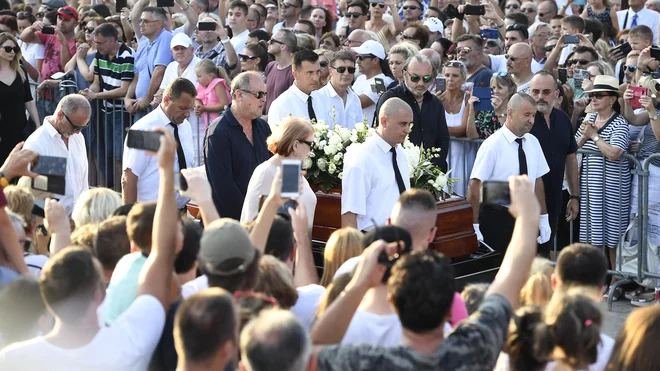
148,56
481,79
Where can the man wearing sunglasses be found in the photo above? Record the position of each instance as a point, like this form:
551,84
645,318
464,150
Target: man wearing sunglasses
412,11
429,123
279,74
289,12
341,106
519,64
469,51
60,136
547,11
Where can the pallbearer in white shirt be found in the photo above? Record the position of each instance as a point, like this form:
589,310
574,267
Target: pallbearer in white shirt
141,176
377,173
341,106
509,152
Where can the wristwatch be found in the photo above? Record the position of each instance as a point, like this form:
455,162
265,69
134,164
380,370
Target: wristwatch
3,181
596,139
653,118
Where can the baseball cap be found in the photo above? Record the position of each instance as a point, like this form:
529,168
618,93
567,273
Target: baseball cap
54,4
68,12
225,240
371,47
181,39
434,24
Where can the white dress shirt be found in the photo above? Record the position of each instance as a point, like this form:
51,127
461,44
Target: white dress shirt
645,17
369,186
497,158
260,185
239,41
362,85
291,103
146,167
334,111
48,142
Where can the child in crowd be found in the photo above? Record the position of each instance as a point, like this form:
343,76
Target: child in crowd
213,93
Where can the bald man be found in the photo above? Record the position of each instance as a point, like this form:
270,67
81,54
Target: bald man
519,64
416,212
376,173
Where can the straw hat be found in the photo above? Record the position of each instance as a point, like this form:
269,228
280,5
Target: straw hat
604,83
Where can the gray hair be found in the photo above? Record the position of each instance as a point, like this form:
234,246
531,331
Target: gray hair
95,205
457,64
534,28
242,81
16,220
73,103
419,58
157,13
436,60
275,340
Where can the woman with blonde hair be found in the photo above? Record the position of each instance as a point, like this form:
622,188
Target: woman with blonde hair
293,139
342,245
94,206
324,61
15,95
397,57
635,347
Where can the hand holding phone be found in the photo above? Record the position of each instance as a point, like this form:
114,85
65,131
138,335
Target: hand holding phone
489,33
471,9
563,75
48,30
52,172
638,91
495,193
291,178
206,26
571,39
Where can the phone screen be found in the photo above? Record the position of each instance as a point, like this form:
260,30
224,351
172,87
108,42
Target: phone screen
440,84
164,3
655,53
571,39
496,193
147,140
49,165
206,26
290,179
563,75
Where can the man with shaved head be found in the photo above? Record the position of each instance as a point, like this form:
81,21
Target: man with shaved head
547,10
376,173
519,64
510,151
416,212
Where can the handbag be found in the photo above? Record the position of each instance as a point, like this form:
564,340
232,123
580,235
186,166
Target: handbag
629,247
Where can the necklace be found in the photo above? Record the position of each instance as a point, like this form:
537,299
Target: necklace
603,121
453,107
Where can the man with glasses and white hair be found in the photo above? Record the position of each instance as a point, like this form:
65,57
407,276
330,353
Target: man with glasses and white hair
428,111
469,50
60,136
236,144
539,33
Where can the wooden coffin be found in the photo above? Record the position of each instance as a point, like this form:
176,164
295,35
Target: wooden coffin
455,236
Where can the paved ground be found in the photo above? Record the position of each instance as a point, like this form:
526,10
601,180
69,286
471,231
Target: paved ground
614,320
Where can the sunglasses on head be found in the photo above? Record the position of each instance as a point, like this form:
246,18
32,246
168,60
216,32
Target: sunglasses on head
415,78
515,27
380,5
580,61
9,49
343,69
23,15
353,15
245,58
363,57
502,74
408,37
411,7
257,94
630,68
454,64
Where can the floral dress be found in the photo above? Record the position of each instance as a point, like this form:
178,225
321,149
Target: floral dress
487,123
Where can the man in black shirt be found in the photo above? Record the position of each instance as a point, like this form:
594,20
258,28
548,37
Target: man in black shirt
429,123
552,127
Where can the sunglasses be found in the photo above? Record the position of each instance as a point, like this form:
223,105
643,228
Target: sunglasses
502,74
600,95
410,7
257,94
272,40
541,15
408,37
363,57
245,58
353,15
309,144
512,6
288,5
415,78
343,69
76,128
464,49
630,68
454,64
379,5
513,59
550,48
23,15
491,43
515,27
9,49
323,64
89,30
580,61
528,10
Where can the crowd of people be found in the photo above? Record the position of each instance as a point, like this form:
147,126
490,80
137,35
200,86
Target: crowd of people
117,273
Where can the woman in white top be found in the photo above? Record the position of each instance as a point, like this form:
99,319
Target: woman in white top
291,139
454,100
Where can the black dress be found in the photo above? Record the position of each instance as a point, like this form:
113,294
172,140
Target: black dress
12,113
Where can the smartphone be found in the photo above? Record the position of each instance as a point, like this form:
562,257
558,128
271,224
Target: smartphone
380,85
495,193
624,48
571,39
52,172
470,9
484,95
164,3
638,91
206,26
283,210
579,2
146,140
563,75
291,178
579,76
655,53
48,30
38,207
119,5
440,84
489,33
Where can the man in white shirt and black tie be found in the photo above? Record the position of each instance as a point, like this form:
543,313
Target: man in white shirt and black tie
297,100
141,176
377,173
511,151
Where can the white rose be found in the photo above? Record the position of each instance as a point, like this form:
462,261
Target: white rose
332,168
338,156
334,139
330,150
341,175
312,155
354,137
345,134
307,164
360,126
321,163
322,144
441,181
339,147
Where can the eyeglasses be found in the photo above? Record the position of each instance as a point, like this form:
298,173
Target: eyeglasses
257,94
309,144
528,10
408,37
245,58
255,295
353,15
343,69
323,64
550,48
380,5
411,7
76,128
9,49
600,95
463,49
580,61
271,9
363,57
498,74
491,43
288,5
415,78
272,40
630,68
512,6
514,59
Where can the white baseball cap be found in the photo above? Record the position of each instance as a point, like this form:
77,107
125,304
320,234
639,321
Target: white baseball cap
181,39
371,47
434,24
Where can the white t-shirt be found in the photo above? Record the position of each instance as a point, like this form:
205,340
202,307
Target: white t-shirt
362,85
172,72
239,41
35,263
308,303
127,345
374,329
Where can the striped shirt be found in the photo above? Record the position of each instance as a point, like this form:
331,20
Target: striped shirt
112,72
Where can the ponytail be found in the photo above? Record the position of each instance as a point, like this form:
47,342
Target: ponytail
530,342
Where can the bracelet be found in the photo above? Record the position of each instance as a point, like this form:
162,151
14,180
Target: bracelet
575,198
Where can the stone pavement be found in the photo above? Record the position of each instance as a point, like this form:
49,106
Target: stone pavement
613,321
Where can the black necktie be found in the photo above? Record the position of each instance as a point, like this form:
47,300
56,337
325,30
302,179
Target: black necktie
179,149
522,160
397,173
310,109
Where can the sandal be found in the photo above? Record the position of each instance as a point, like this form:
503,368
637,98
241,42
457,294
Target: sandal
618,294
643,300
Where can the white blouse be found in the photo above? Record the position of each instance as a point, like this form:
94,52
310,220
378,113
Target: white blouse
260,185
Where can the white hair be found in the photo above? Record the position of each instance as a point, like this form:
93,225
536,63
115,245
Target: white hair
534,28
94,206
